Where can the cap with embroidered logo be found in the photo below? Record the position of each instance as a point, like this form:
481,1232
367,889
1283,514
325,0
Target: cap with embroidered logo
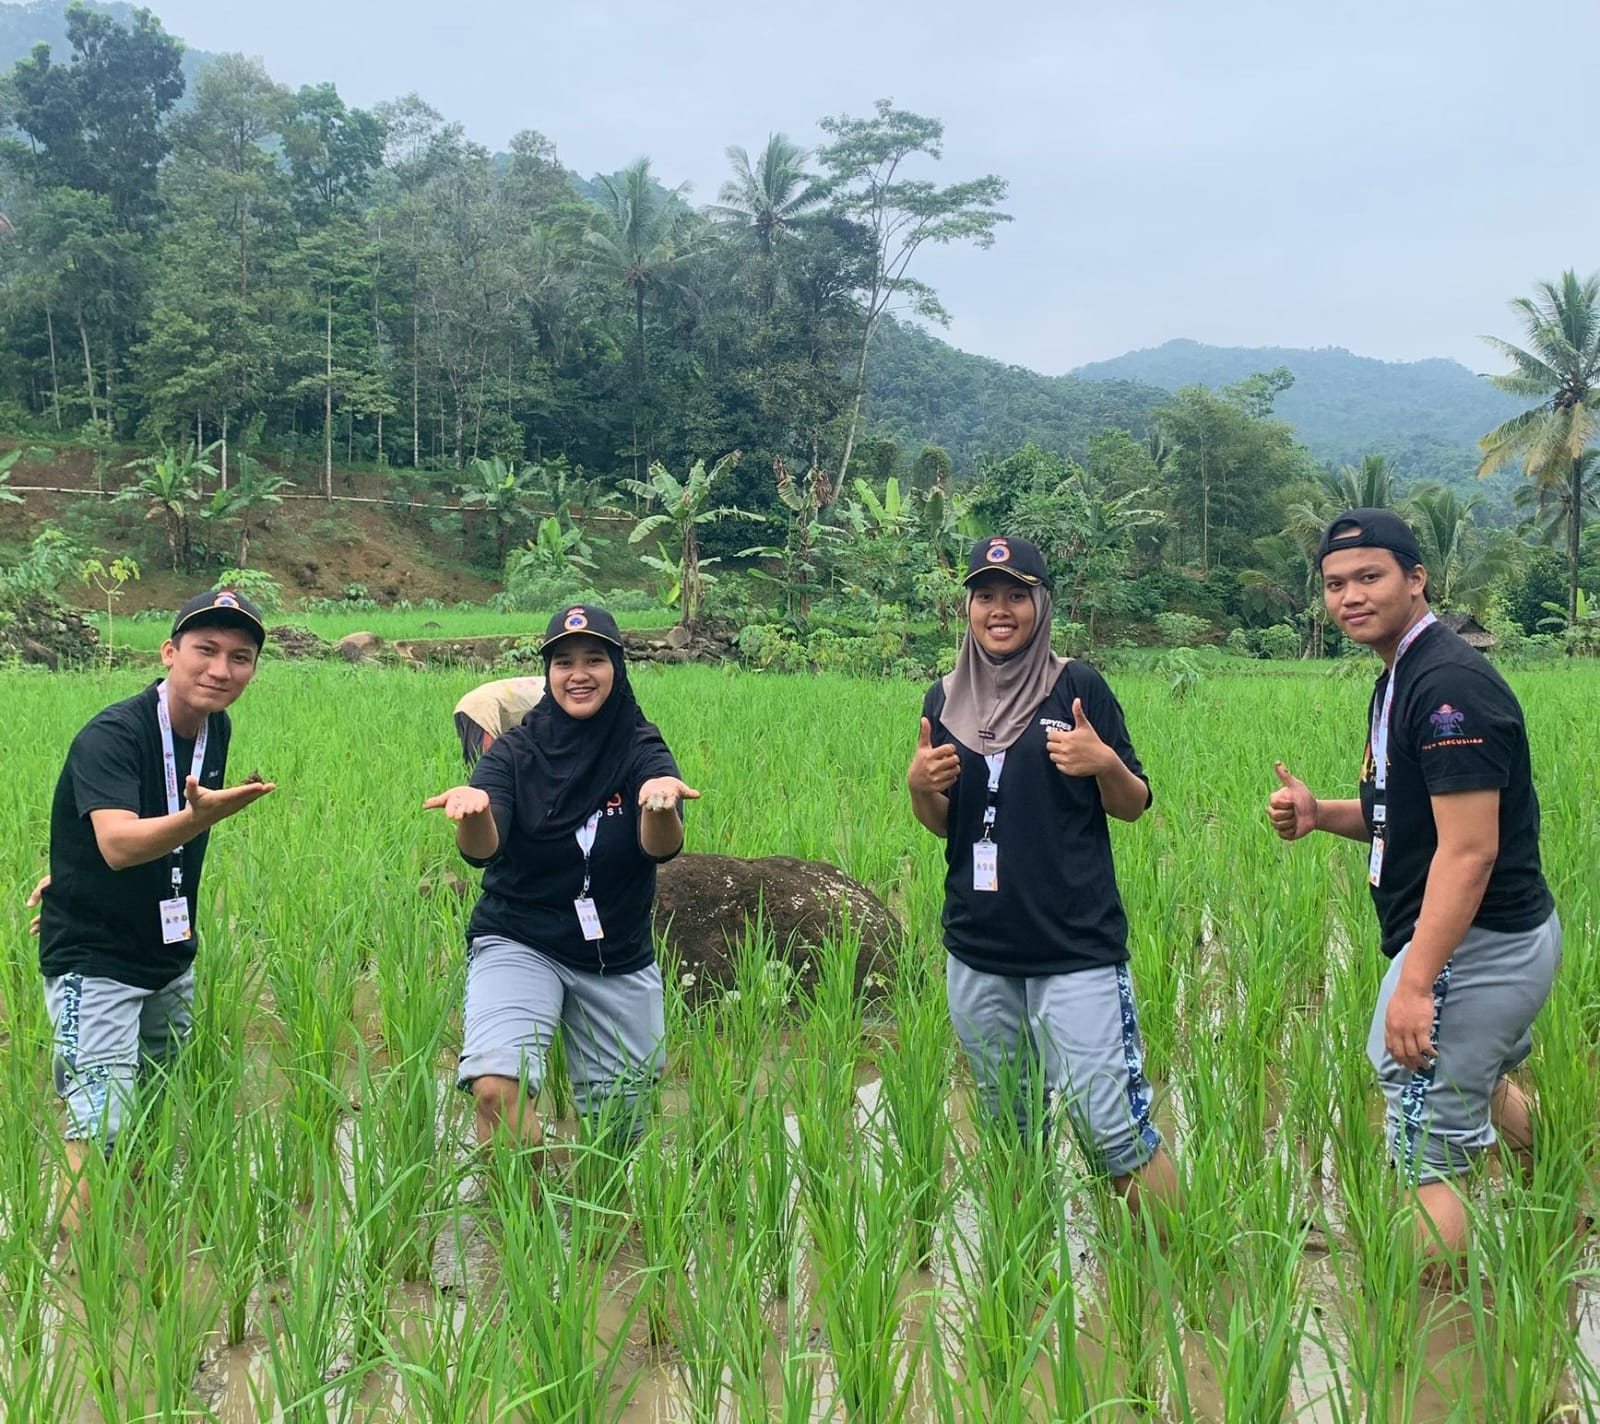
221,608
1001,553
581,618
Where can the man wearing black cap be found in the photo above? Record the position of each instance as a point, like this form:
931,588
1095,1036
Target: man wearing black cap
1448,809
133,810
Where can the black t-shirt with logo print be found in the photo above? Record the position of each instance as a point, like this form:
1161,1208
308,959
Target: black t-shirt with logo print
1454,725
1057,909
530,885
103,922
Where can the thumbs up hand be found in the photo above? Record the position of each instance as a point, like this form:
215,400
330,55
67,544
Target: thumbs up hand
1080,752
1292,808
932,769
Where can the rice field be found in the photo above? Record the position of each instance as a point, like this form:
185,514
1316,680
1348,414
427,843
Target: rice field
814,1226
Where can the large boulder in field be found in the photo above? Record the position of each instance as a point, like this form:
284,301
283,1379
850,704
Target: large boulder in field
704,902
357,647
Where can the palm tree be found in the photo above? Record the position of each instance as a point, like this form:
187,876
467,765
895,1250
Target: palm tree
1370,487
772,197
637,238
1464,563
1560,367
1546,502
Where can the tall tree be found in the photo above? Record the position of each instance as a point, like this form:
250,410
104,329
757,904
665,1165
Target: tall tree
640,238
865,161
96,123
1560,368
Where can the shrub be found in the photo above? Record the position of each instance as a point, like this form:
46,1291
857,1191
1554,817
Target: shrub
1180,630
1280,642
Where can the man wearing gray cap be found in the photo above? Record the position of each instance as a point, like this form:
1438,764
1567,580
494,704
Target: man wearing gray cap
133,810
1449,813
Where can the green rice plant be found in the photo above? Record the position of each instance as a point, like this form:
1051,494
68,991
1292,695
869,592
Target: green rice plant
861,1255
308,1326
556,1291
457,1368
667,1209
1015,1185
1256,1349
1129,1301
915,1073
768,1207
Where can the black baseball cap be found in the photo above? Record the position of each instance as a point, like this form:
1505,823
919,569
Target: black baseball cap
582,618
221,608
1003,554
1370,529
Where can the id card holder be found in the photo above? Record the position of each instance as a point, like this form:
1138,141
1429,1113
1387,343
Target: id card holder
175,920
588,918
1375,860
985,865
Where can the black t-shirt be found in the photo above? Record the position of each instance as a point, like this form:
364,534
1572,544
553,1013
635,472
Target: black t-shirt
1057,909
530,885
1454,726
105,922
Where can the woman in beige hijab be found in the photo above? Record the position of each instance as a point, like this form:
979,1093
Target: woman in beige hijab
1021,758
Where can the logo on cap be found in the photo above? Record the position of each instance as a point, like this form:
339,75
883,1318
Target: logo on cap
224,600
575,620
999,552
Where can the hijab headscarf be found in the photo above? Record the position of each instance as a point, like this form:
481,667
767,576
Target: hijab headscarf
569,766
988,700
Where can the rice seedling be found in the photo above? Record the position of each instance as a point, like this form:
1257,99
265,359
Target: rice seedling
811,1193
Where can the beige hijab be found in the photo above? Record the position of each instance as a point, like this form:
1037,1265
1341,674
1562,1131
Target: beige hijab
988,700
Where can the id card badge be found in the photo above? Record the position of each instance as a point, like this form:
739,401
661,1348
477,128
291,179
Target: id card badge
985,865
589,918
1375,861
174,920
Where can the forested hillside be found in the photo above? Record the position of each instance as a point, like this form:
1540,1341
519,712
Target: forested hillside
1425,416
924,391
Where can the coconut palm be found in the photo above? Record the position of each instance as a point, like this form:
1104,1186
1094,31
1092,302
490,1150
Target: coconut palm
1464,562
639,237
1560,368
1369,487
766,201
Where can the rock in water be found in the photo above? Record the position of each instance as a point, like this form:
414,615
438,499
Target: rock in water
704,903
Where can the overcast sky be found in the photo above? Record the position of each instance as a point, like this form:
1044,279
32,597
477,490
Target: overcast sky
1377,174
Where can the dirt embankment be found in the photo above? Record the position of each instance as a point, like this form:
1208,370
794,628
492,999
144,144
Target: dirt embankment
314,547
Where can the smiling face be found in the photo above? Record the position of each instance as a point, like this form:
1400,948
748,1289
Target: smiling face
1001,614
581,675
207,669
1371,598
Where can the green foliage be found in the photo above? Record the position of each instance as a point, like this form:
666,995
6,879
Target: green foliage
257,585
52,558
1180,630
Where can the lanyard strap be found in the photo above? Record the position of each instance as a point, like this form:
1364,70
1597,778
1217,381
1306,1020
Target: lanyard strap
1380,725
995,762
169,765
586,834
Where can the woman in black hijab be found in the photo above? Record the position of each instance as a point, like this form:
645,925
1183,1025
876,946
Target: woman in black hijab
568,814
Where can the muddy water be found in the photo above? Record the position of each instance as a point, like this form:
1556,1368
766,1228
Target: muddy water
1445,1383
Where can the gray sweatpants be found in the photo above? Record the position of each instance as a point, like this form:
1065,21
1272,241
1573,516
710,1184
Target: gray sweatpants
1080,1033
1484,1003
615,1025
107,1034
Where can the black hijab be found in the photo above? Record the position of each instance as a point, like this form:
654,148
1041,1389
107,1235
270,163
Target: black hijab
569,766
